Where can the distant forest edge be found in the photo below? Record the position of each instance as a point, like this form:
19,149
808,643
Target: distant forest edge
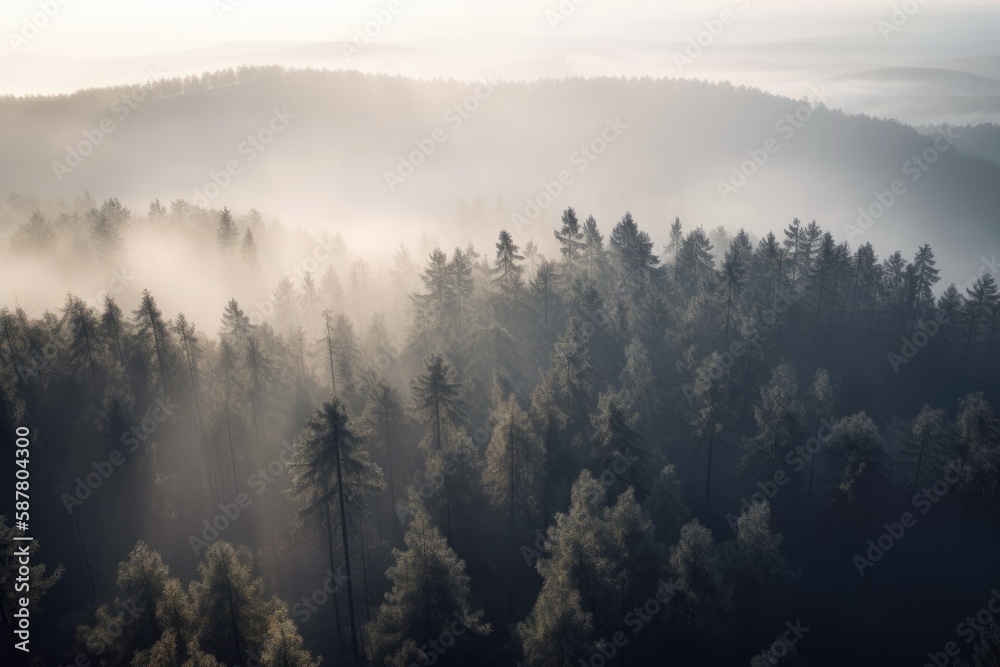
351,129
493,455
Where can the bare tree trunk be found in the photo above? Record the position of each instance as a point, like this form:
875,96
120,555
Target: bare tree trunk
333,563
343,536
86,559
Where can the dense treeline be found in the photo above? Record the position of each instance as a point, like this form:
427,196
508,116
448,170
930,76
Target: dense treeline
581,459
829,166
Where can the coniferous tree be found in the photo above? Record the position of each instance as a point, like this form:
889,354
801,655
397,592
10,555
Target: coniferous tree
227,233
560,402
821,403
638,384
346,359
793,250
461,290
430,591
34,236
928,429
694,267
632,559
777,415
758,549
114,328
925,277
81,324
332,469
248,247
616,438
530,253
735,267
570,237
283,645
506,271
381,417
514,472
855,446
704,598
557,632
978,306
435,399
593,248
230,602
709,398
140,584
979,431
543,287
986,651
154,340
808,247
676,237
666,507
433,306
865,263
632,247
573,551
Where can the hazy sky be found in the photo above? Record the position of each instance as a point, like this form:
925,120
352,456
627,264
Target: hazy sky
128,27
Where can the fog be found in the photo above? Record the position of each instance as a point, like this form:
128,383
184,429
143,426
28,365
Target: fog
165,134
327,170
435,288
382,160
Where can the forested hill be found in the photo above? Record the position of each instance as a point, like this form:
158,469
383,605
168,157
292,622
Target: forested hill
677,141
789,453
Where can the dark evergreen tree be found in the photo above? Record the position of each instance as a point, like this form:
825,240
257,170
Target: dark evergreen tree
332,469
430,590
